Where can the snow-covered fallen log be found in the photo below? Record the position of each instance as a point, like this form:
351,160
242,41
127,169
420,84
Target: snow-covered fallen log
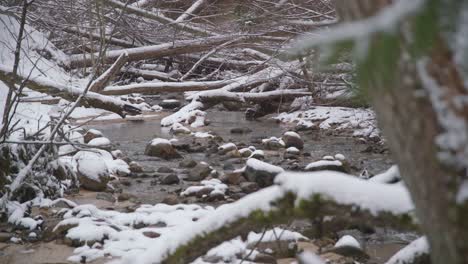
162,87
294,196
160,50
44,85
222,96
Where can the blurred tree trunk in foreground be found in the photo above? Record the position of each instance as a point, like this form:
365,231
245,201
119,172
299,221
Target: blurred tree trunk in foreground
411,120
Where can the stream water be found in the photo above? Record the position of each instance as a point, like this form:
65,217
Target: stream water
132,138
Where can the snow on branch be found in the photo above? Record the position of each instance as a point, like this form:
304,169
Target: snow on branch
293,197
47,86
415,252
161,50
361,30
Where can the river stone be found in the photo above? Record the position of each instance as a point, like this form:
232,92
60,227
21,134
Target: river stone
188,163
170,104
105,196
93,174
292,139
264,258
125,196
199,172
170,179
232,177
249,187
161,148
241,130
226,148
273,143
165,170
151,234
233,154
171,199
261,172
5,236
92,134
135,167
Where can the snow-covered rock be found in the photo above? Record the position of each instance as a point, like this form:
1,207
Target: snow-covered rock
93,174
334,165
261,172
347,241
92,134
178,128
292,139
161,148
340,157
116,167
223,149
273,143
213,188
100,142
258,154
246,152
293,151
348,246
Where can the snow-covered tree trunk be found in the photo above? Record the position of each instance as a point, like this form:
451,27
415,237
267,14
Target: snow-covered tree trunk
413,102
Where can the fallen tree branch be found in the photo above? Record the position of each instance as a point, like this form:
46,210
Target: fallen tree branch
161,50
150,74
159,18
202,59
94,36
161,87
297,195
44,85
191,10
102,81
252,97
417,252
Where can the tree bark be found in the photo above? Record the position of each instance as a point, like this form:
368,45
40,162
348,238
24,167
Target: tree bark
412,127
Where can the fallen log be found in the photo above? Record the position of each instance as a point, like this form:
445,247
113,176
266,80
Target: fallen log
163,87
161,50
91,99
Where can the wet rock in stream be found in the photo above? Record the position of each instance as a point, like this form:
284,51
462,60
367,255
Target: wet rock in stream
161,148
